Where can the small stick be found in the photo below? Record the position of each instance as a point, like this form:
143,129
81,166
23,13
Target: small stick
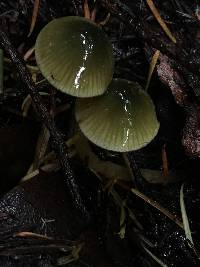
57,141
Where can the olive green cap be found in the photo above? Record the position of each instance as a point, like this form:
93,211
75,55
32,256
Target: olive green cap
75,56
122,119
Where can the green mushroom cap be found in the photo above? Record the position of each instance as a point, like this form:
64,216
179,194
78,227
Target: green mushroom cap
122,119
75,56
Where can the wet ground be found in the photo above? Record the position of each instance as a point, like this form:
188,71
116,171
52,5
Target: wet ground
40,223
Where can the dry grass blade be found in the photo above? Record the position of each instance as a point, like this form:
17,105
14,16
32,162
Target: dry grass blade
29,53
185,218
152,67
34,16
160,20
122,231
161,263
122,204
30,175
86,9
158,207
34,235
52,167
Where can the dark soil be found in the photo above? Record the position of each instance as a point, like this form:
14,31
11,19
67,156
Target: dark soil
68,202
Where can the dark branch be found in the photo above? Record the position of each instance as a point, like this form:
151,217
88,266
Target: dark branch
57,140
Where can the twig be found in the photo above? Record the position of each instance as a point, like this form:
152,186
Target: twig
158,207
41,110
34,235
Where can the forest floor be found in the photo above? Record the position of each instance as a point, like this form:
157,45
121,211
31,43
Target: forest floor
65,201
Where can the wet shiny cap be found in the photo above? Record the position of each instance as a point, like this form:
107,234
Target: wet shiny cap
75,56
122,119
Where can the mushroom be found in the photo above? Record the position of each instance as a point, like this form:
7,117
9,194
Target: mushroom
122,119
75,56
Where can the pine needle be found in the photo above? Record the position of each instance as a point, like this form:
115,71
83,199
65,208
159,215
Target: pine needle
160,20
185,218
161,263
152,67
32,235
156,205
34,16
29,53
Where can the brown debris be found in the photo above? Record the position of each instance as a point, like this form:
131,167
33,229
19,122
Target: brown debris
191,133
171,78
